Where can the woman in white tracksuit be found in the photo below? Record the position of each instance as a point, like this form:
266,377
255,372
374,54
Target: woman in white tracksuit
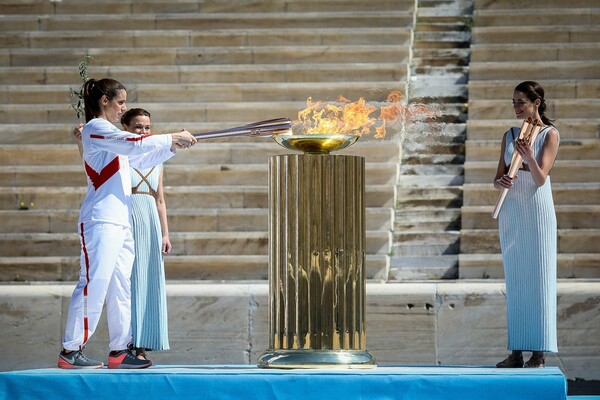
107,251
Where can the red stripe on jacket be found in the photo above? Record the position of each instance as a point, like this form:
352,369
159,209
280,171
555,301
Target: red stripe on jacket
127,139
86,331
98,179
136,139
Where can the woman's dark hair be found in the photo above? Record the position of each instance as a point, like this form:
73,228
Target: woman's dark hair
93,91
131,114
533,91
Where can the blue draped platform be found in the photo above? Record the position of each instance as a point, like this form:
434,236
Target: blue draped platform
249,382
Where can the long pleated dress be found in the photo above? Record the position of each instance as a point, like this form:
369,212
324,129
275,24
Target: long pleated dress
528,238
148,294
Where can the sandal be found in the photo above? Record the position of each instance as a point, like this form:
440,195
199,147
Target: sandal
537,360
514,360
140,353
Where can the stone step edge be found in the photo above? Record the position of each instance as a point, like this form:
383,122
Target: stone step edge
490,266
221,32
223,268
259,16
174,189
217,219
398,49
120,69
476,143
101,49
494,231
36,87
201,105
497,257
495,12
174,259
559,163
176,168
555,185
196,211
247,235
560,208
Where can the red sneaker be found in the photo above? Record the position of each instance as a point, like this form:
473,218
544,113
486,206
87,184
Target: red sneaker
125,359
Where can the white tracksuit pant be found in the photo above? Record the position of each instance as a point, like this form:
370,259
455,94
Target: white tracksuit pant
107,255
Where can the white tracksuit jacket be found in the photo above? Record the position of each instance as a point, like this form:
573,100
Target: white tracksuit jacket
105,230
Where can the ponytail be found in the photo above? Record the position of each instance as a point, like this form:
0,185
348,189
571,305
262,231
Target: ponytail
93,91
542,112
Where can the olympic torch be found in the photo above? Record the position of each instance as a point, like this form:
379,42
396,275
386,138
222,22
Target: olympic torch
261,128
529,131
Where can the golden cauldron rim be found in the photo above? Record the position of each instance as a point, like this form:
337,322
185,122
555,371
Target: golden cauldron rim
315,142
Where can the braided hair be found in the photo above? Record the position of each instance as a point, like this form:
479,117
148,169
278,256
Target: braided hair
533,91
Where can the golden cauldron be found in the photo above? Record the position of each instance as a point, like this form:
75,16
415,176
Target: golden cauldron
317,240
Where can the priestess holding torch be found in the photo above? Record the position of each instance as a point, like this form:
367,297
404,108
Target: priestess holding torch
528,233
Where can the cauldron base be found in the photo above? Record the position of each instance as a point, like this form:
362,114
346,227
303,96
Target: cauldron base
290,359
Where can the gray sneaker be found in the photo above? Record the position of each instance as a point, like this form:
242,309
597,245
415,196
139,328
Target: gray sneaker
77,360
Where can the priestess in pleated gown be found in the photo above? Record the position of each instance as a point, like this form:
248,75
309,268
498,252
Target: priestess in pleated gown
528,238
148,295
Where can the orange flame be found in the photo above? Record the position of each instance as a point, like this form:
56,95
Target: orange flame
342,116
389,114
358,117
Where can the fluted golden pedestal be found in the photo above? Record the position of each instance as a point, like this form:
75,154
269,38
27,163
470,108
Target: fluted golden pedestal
316,262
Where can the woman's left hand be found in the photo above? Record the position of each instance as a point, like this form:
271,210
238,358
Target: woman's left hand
77,131
166,245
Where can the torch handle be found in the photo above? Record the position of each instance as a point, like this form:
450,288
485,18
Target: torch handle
262,128
499,203
515,164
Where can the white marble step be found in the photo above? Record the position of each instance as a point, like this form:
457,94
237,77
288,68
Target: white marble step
520,71
486,241
33,93
563,171
159,56
426,243
497,5
419,267
535,51
564,193
569,149
177,268
572,266
185,243
553,88
238,196
222,38
208,21
239,151
174,175
568,216
569,128
74,7
180,220
556,108
532,34
322,74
